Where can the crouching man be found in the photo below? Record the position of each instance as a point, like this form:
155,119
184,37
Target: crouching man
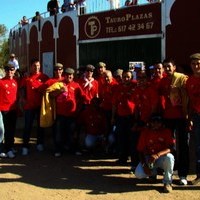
155,146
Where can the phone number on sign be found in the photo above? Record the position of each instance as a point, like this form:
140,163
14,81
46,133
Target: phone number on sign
131,27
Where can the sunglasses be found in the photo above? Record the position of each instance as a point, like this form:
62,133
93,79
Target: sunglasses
58,69
11,69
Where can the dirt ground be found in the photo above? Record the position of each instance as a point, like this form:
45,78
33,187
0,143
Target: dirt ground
41,176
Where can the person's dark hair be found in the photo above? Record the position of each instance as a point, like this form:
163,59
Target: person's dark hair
158,62
33,60
169,60
126,71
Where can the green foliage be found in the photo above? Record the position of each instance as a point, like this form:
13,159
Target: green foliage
4,53
4,46
3,30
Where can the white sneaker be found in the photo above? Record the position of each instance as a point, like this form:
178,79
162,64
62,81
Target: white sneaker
57,154
183,181
40,147
10,154
3,155
24,151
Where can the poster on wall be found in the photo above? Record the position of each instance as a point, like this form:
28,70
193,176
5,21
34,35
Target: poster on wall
136,64
47,64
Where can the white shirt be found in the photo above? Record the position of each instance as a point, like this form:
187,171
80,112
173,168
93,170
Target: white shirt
14,63
114,4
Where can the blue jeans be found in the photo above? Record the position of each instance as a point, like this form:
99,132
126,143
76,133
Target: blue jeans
92,140
164,162
30,116
196,130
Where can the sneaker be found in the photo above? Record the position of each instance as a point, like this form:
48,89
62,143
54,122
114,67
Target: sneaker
132,170
167,188
196,181
3,155
183,181
40,147
24,151
57,154
10,154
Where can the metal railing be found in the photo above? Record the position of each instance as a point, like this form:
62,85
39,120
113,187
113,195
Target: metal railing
92,7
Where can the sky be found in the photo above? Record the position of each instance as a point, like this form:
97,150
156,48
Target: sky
13,10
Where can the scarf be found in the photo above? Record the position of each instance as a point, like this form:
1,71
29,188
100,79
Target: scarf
88,83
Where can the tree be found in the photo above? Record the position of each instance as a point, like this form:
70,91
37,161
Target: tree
3,30
4,46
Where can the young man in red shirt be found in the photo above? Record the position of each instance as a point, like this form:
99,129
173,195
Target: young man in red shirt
101,68
155,147
68,104
147,98
31,90
58,75
123,111
93,121
172,88
88,84
8,108
158,74
193,90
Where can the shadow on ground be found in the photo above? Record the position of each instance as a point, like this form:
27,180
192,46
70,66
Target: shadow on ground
99,175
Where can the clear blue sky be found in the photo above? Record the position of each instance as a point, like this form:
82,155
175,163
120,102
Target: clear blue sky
13,10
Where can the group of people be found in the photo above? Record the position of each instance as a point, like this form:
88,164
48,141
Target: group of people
53,6
69,5
147,119
115,4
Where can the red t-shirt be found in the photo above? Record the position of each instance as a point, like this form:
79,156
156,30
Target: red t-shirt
51,81
34,85
193,90
90,89
93,120
68,102
147,101
153,141
154,82
124,100
106,93
8,94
